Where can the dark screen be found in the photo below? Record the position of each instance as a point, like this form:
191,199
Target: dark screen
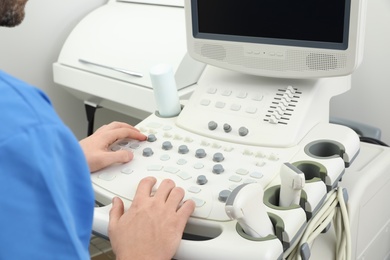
299,22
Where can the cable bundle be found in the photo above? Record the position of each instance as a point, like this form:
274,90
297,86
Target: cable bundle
334,210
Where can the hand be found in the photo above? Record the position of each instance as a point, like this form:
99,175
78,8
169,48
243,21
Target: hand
96,150
153,226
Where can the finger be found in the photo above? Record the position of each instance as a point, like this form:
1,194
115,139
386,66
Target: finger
121,133
116,212
120,156
116,124
175,197
164,189
186,210
144,188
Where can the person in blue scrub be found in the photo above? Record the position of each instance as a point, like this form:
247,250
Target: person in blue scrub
46,196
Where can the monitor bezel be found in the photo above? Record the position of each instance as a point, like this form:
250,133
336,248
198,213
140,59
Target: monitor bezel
350,57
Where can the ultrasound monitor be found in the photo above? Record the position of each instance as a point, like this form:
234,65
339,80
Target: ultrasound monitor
284,38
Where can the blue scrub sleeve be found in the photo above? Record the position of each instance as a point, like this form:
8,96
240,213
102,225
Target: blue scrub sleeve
46,196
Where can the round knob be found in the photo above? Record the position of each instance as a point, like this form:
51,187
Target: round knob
224,195
243,131
183,149
147,152
218,169
200,153
201,180
167,145
218,157
227,128
212,125
152,138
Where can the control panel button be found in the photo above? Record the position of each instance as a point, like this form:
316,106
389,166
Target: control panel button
200,153
218,169
243,131
167,145
201,180
227,128
218,157
224,195
152,138
147,152
183,149
212,125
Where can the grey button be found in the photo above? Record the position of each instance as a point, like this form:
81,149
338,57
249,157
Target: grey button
212,125
115,148
123,143
152,138
147,152
224,195
218,169
201,180
167,145
218,157
183,149
200,153
243,131
227,128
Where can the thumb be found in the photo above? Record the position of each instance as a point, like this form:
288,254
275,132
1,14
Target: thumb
121,156
116,212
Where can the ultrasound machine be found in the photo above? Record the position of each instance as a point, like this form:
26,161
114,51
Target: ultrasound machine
238,115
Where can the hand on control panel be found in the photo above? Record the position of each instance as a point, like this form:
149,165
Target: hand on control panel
96,150
152,228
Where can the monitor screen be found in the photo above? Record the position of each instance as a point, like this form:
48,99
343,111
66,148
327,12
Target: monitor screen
320,23
282,38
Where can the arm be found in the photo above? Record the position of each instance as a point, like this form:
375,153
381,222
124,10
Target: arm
96,146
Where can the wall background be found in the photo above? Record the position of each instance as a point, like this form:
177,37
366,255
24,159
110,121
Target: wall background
29,50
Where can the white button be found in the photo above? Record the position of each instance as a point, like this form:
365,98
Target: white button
242,95
127,170
198,202
181,162
256,175
184,175
220,104
251,110
205,102
235,178
212,90
226,93
198,166
107,176
154,167
260,164
170,169
165,157
258,97
242,171
235,107
194,189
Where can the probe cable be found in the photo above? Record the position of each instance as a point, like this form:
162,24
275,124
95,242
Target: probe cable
334,209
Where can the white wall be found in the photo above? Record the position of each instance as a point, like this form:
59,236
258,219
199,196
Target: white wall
29,50
368,101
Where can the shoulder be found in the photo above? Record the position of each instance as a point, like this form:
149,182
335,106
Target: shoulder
22,106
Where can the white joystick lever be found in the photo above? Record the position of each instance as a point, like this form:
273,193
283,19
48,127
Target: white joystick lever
245,204
292,183
165,90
